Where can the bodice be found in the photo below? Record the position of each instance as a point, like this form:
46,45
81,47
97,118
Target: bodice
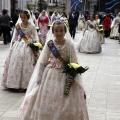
64,52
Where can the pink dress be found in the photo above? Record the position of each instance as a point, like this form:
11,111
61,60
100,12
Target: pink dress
19,66
45,98
43,24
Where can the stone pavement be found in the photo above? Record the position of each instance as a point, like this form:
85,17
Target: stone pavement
101,81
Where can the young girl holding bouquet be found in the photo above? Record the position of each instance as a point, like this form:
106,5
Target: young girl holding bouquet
46,98
19,64
43,22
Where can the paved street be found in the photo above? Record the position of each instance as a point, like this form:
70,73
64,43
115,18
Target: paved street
101,81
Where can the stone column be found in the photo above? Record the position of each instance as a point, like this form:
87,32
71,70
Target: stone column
22,4
6,4
67,6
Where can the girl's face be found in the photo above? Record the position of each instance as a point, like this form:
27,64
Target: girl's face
96,16
59,31
24,18
56,13
91,17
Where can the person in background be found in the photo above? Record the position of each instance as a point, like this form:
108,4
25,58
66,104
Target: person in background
19,64
106,25
90,42
15,16
55,16
36,13
115,27
43,22
81,21
73,22
64,19
5,26
100,29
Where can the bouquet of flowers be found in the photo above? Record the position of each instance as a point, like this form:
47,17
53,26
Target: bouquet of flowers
37,28
100,28
35,46
71,70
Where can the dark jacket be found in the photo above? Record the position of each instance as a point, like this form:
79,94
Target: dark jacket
5,20
73,21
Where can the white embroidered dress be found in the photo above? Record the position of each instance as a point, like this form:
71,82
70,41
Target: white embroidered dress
81,21
19,66
45,98
115,27
90,42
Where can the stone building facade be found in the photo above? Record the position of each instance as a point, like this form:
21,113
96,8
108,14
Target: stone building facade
11,5
60,5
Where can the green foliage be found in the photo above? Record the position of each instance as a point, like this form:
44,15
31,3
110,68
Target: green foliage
71,73
33,47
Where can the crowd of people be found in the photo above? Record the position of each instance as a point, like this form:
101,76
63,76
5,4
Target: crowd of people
45,80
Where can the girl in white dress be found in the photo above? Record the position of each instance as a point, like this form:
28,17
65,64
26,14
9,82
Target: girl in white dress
115,26
81,21
45,99
100,29
90,43
55,16
19,66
